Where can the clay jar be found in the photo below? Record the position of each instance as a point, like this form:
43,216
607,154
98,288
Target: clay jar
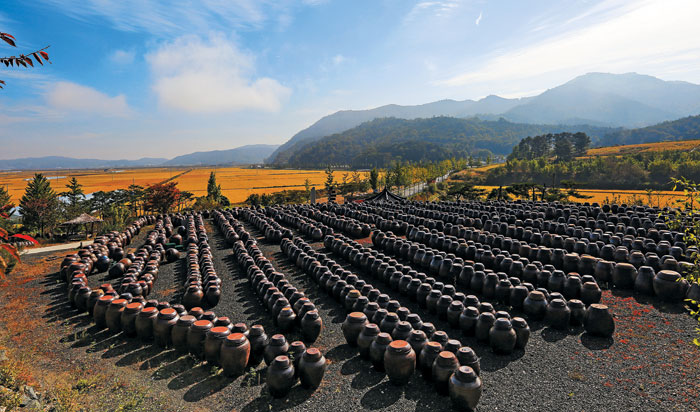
598,321
417,340
114,314
277,345
180,331
465,389
427,357
522,332
366,337
399,362
502,336
558,314
280,376
444,366
258,341
128,319
100,310
467,357
624,275
468,319
644,283
578,312
144,323
668,286
196,336
535,305
483,325
377,349
353,325
590,293
312,367
234,354
163,325
311,326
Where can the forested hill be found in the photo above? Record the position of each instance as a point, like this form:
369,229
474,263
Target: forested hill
687,128
381,141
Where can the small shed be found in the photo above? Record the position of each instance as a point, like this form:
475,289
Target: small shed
385,196
86,221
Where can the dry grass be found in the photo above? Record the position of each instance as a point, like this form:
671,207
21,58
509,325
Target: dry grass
237,183
643,147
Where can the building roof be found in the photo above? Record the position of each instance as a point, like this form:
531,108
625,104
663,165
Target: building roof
385,196
83,218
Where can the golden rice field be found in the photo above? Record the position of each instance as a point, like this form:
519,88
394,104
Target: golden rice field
236,183
643,147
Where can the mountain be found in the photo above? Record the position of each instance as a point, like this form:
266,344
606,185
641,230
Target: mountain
628,100
687,128
382,141
346,119
61,162
249,154
601,99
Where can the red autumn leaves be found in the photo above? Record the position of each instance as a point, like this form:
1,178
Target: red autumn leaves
22,60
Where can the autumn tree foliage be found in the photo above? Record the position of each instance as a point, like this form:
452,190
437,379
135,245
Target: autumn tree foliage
8,252
23,60
161,197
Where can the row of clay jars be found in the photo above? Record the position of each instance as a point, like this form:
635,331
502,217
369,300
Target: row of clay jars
504,335
282,372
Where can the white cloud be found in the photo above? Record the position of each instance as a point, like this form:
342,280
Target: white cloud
439,8
478,19
338,59
72,97
122,57
213,75
647,37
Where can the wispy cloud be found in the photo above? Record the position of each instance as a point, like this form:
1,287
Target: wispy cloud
632,40
478,19
439,8
72,97
211,75
121,57
338,59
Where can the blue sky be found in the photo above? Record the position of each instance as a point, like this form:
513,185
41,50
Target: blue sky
140,78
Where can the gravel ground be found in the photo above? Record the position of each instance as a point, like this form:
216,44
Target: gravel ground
649,365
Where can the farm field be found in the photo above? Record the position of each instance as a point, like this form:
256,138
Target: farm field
237,183
643,147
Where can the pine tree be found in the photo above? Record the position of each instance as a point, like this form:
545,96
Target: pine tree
330,180
213,190
39,206
374,179
75,199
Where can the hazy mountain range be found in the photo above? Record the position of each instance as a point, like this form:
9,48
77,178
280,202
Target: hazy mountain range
599,99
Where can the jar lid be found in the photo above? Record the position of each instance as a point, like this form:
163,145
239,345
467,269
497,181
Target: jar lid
383,338
399,346
357,317
466,374
312,355
186,320
119,302
220,331
278,340
236,339
446,358
134,307
203,324
149,311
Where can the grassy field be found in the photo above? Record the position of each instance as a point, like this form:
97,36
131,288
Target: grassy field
237,183
643,147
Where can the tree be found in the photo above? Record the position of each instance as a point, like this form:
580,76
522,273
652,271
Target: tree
330,180
161,197
563,148
40,205
75,199
466,191
213,190
134,194
374,179
22,60
253,199
581,142
8,252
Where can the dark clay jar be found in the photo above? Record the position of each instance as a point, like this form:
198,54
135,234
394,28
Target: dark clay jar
603,271
258,340
180,331
353,325
489,286
144,323
379,316
100,310
417,340
669,286
518,294
422,294
92,300
598,321
623,275
467,320
440,337
113,315
432,299
128,320
558,314
377,349
465,389
427,357
444,366
483,325
644,283
572,287
212,343
311,326
196,336
389,322
399,362
285,319
365,339
280,376
522,332
401,331
370,310
312,367
163,325
502,337
467,357
234,354
277,345
453,312
578,312
443,305
296,349
535,305
590,293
